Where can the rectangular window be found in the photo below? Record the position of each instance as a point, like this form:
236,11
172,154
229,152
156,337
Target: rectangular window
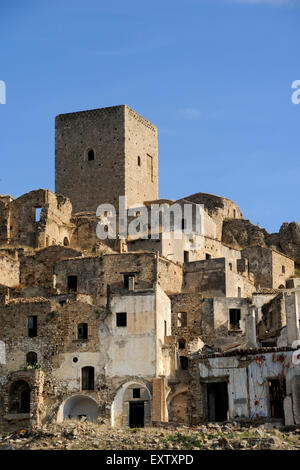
165,328
234,318
32,326
128,281
150,166
37,214
181,344
207,256
72,283
136,393
184,362
122,319
87,378
182,319
83,331
186,256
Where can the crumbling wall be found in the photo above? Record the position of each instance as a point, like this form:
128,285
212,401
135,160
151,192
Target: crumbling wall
9,271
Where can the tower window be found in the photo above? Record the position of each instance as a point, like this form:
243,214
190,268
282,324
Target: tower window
91,155
32,326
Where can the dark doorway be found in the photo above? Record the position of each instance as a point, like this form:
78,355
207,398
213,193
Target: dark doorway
217,401
136,414
19,397
72,283
87,378
277,392
234,318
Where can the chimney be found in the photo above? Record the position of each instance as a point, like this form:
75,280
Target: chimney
251,328
292,317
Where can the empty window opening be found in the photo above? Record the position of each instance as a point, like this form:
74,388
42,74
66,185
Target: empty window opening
136,414
82,331
91,155
165,328
19,397
239,292
139,161
230,266
66,241
234,318
128,281
217,401
87,378
283,269
269,344
37,216
75,359
207,256
184,362
277,393
150,166
136,393
181,344
31,358
234,213
72,283
32,326
182,224
122,319
186,256
182,319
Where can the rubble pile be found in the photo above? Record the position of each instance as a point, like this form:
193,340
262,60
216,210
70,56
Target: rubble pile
75,435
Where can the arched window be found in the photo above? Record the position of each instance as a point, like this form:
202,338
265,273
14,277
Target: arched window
66,241
19,397
82,331
90,155
31,358
87,378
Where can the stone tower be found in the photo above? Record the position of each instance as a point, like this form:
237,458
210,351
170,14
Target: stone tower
105,153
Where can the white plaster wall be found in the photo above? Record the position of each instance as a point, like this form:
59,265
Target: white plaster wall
226,367
131,349
69,372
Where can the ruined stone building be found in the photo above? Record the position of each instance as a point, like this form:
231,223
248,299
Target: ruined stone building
137,330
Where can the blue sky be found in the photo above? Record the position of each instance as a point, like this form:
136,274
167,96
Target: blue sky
214,76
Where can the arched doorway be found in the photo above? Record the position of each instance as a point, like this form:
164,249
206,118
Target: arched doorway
19,397
77,407
132,406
